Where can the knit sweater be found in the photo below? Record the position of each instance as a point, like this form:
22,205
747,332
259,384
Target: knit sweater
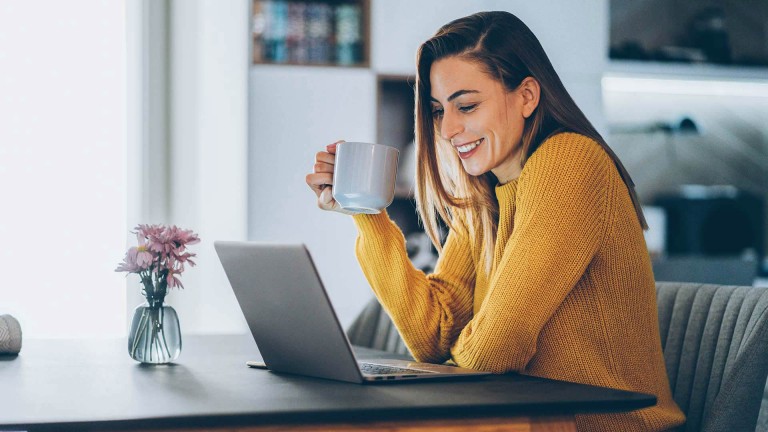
570,294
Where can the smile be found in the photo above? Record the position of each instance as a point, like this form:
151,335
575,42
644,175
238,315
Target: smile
469,147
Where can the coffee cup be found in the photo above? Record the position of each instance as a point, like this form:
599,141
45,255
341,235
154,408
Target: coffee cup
364,176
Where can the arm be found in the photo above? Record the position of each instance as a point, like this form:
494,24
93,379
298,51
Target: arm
559,226
429,311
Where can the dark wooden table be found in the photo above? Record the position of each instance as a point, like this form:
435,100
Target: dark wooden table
83,385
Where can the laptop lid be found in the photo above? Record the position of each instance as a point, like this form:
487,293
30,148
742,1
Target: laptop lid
287,309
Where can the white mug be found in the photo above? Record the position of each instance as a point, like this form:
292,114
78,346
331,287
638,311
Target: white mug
364,176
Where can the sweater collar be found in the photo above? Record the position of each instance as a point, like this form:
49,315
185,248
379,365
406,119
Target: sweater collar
506,192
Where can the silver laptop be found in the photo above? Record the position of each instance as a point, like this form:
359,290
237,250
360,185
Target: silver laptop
293,323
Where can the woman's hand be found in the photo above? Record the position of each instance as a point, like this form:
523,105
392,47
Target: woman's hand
320,180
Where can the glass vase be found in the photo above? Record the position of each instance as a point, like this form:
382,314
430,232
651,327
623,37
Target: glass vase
155,336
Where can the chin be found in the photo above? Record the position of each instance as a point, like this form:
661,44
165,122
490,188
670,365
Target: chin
473,170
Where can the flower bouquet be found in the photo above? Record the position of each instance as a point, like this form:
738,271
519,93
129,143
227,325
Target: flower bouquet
159,260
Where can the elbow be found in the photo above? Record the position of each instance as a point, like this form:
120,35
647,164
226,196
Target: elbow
430,357
426,352
512,358
499,353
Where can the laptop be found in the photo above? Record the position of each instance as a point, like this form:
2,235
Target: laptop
294,325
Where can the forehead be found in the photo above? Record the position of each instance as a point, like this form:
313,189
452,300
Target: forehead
451,74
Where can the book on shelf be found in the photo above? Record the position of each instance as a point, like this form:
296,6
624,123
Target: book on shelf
311,32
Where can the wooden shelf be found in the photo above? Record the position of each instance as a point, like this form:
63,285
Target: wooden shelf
319,65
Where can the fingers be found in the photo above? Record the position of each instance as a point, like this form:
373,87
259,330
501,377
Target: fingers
331,148
324,161
325,157
322,168
318,181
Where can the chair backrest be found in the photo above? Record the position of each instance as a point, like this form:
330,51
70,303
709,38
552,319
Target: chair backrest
715,342
374,329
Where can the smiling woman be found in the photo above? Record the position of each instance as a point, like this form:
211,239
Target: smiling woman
544,270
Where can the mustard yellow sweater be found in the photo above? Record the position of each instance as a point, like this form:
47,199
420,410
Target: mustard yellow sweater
570,295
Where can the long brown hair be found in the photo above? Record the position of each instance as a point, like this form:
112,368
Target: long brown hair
509,52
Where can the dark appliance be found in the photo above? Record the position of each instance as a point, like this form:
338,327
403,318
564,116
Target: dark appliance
717,221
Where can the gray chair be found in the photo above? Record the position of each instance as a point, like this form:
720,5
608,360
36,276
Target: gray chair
715,342
374,329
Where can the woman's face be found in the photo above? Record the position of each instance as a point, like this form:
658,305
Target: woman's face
481,119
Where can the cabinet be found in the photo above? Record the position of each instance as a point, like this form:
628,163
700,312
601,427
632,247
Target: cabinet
311,32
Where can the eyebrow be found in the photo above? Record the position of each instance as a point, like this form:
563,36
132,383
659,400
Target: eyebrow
455,95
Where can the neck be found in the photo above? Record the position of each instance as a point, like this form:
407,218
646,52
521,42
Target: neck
509,171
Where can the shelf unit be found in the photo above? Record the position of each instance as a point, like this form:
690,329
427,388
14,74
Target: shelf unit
395,123
311,32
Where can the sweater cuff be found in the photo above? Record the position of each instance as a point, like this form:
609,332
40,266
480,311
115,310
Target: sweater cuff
372,222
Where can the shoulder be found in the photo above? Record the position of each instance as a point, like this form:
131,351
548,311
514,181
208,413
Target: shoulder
570,146
567,154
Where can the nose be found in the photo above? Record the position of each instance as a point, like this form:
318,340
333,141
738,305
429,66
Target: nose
450,126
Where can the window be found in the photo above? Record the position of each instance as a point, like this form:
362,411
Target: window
63,185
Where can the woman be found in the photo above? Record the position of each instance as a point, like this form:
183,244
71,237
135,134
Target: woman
544,270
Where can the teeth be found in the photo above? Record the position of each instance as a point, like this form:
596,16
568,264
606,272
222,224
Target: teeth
467,147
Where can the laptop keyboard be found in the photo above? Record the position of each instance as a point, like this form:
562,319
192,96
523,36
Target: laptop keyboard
377,369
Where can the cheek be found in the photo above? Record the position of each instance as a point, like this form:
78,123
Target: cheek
514,125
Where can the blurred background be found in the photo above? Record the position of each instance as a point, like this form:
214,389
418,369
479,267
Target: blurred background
207,114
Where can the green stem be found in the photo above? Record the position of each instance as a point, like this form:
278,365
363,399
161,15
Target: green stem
148,340
139,332
164,342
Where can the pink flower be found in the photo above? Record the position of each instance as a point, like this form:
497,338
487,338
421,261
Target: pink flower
160,255
183,237
140,254
127,267
136,259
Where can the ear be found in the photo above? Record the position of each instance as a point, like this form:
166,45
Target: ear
530,91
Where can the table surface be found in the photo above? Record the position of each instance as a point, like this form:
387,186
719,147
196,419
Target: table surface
93,384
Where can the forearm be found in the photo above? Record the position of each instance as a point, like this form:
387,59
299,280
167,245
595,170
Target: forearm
429,311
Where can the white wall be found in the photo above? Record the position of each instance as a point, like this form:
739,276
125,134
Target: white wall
63,166
208,102
398,27
295,112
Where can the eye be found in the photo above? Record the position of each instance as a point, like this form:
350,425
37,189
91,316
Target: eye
467,108
437,112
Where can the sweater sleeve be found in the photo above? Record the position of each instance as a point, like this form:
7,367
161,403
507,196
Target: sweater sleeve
558,228
429,311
